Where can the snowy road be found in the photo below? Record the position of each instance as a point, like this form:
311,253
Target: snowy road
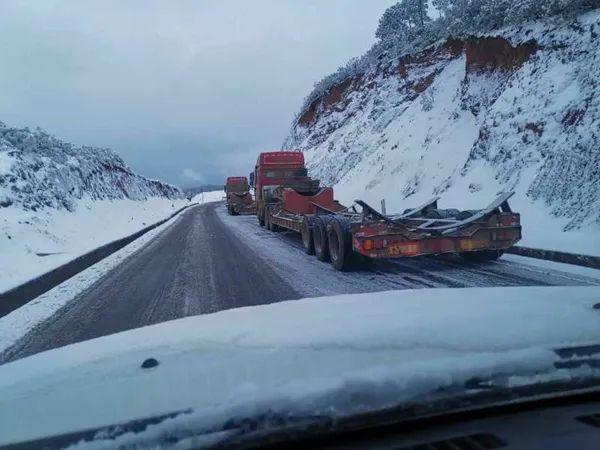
208,261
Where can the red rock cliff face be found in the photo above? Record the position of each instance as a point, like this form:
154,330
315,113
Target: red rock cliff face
487,54
452,48
496,53
496,59
333,100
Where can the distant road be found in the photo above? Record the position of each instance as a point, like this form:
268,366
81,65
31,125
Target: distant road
208,261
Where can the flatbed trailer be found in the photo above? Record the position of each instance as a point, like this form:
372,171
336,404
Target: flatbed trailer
346,236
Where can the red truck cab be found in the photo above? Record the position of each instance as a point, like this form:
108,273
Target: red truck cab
236,184
275,169
239,198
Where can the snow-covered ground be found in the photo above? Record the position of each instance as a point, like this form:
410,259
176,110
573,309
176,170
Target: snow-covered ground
206,197
331,356
34,242
439,124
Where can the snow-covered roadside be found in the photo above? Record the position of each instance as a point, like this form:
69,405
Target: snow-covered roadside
362,353
551,266
15,325
206,197
34,242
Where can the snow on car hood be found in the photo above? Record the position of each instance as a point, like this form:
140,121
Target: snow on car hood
327,355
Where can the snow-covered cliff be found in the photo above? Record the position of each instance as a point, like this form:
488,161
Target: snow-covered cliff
518,109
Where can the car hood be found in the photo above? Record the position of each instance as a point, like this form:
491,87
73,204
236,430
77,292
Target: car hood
327,356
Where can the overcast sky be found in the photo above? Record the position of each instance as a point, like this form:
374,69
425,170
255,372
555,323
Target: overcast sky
185,91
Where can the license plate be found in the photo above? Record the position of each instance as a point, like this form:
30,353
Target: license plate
403,249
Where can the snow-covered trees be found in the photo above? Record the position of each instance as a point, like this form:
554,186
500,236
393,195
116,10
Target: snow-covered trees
38,170
411,25
405,20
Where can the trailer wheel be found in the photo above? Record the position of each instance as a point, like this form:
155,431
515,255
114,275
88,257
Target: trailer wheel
339,240
268,220
482,255
306,229
229,210
320,238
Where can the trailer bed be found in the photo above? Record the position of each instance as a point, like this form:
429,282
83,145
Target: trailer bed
342,234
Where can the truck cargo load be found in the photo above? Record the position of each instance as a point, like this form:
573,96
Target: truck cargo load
288,199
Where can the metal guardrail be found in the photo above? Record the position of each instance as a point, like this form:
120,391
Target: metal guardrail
556,256
23,294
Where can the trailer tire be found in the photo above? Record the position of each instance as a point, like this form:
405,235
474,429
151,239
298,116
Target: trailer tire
268,224
269,220
339,240
482,255
320,238
306,230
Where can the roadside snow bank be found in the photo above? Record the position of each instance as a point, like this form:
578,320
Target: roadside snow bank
206,197
34,242
331,356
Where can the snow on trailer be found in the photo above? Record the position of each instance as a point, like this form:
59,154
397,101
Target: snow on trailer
288,199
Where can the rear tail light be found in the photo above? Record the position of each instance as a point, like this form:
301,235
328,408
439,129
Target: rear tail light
368,244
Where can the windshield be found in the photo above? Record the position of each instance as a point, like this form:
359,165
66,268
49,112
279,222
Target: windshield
237,187
285,173
252,222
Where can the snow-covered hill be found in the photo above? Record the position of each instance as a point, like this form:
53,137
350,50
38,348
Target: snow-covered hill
58,201
518,109
38,170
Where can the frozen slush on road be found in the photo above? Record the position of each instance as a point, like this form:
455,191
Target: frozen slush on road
309,360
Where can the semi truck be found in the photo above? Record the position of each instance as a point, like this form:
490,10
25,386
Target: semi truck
238,196
288,199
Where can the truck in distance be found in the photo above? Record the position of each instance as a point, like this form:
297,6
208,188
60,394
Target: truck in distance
238,197
280,179
287,198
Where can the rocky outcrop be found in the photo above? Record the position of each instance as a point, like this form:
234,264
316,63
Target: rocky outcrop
489,54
